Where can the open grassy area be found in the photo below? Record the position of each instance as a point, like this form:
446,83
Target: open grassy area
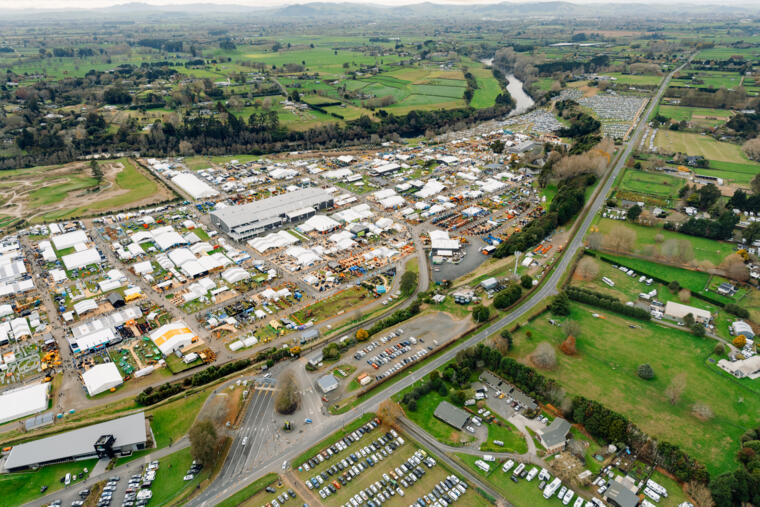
169,484
645,244
609,352
249,491
709,148
442,432
695,281
171,421
326,308
506,432
661,187
698,115
22,487
631,79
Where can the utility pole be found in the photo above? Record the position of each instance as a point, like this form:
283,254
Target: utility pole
517,260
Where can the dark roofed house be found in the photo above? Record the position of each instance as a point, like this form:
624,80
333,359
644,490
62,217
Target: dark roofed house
451,415
620,496
555,435
116,299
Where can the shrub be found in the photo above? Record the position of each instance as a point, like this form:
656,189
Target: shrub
645,371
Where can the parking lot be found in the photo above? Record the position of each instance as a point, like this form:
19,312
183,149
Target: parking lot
429,332
374,467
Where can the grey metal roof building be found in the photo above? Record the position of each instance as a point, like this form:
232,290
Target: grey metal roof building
248,220
554,436
124,435
451,415
617,494
327,383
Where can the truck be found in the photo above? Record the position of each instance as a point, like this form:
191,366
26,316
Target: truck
532,474
552,487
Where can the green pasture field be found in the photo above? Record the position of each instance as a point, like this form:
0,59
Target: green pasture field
658,185
739,172
724,53
609,352
706,146
716,79
319,59
695,281
627,288
683,113
488,86
630,79
704,249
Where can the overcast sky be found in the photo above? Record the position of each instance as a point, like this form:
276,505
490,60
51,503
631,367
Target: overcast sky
62,4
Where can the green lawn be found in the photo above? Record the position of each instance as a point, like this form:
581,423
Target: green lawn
695,281
171,421
513,440
22,487
423,417
249,491
704,249
630,79
169,484
709,148
659,186
609,351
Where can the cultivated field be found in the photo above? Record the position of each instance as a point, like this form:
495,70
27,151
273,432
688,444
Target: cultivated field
59,192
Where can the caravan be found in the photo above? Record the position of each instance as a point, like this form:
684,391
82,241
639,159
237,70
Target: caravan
552,488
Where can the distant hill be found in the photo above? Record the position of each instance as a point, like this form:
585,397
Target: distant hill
335,11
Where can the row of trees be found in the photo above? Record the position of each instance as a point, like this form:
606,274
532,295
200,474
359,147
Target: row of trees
605,301
741,487
150,396
566,204
721,229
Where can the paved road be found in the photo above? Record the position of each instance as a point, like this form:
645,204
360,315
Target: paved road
219,491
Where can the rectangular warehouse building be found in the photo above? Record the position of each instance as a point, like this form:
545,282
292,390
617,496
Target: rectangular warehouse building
249,220
106,439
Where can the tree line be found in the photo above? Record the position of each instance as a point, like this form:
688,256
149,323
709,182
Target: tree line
151,396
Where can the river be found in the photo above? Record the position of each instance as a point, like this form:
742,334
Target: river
523,102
